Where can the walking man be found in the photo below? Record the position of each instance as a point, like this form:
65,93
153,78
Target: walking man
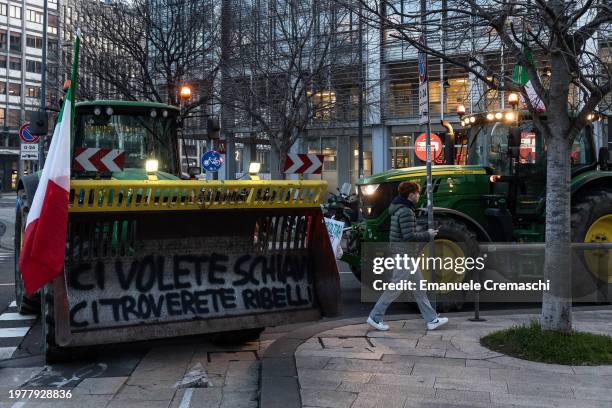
403,229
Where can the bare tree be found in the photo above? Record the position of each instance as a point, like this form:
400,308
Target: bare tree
563,33
283,69
141,49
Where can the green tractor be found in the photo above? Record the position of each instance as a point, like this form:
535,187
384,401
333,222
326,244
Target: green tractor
497,195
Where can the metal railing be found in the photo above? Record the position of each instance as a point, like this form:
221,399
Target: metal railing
182,195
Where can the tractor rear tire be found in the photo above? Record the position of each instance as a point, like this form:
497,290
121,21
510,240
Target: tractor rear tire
25,304
588,209
52,352
462,238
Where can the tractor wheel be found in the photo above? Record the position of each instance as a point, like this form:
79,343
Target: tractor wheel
52,352
237,337
455,239
25,304
591,221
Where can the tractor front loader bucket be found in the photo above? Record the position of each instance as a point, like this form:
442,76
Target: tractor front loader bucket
154,259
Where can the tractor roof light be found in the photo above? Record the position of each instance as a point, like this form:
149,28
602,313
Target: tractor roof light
509,116
254,167
490,116
460,110
513,99
590,116
472,119
109,111
151,165
499,115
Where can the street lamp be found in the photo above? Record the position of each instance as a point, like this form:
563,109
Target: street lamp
185,92
184,95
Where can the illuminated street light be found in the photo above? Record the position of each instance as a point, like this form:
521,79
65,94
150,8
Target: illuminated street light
185,92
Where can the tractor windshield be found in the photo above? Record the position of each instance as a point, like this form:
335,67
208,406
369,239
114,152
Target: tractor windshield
488,146
141,136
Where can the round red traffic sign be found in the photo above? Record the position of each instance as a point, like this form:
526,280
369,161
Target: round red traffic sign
25,134
420,146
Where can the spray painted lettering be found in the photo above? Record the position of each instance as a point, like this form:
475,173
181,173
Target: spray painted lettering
172,287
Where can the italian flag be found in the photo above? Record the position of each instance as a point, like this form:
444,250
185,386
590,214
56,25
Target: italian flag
44,243
521,76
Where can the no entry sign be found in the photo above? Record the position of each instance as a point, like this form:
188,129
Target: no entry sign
420,146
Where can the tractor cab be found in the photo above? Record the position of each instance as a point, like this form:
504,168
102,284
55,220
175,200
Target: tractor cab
125,141
514,153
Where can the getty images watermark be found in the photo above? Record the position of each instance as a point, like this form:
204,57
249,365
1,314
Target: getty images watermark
403,264
498,272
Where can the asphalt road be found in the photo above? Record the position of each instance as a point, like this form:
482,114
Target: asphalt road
7,217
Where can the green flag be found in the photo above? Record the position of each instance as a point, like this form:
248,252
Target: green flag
520,75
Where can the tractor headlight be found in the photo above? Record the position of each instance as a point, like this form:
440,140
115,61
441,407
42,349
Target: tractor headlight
151,165
369,189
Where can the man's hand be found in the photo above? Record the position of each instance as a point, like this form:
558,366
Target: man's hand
432,233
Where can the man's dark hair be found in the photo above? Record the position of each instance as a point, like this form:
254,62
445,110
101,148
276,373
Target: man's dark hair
407,187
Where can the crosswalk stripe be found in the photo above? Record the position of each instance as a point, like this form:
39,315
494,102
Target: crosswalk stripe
6,352
15,316
13,303
14,332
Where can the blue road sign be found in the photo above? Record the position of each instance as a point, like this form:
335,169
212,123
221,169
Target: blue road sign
212,160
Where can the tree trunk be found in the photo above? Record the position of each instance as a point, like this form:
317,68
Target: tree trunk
557,302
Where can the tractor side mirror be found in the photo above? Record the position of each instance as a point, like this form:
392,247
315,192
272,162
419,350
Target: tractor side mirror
449,143
604,159
514,142
193,171
39,123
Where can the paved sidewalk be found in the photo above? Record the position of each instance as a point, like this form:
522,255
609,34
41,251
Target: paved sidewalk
354,366
183,374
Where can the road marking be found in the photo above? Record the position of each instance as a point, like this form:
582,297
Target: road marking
16,316
186,401
7,284
14,335
18,404
6,352
14,332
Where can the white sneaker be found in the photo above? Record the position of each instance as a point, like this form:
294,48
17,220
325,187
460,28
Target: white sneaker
378,326
440,321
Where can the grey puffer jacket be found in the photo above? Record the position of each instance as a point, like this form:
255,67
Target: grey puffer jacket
403,222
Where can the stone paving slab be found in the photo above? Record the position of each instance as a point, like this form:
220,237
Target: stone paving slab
353,366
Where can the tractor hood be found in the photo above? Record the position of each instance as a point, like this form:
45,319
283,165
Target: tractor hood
420,171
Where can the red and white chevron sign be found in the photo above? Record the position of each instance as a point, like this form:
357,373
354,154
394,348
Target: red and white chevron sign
298,163
98,160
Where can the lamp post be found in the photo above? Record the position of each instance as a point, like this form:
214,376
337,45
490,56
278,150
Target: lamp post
184,96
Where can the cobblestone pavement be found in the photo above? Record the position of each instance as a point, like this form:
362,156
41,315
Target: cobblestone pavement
177,376
354,366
